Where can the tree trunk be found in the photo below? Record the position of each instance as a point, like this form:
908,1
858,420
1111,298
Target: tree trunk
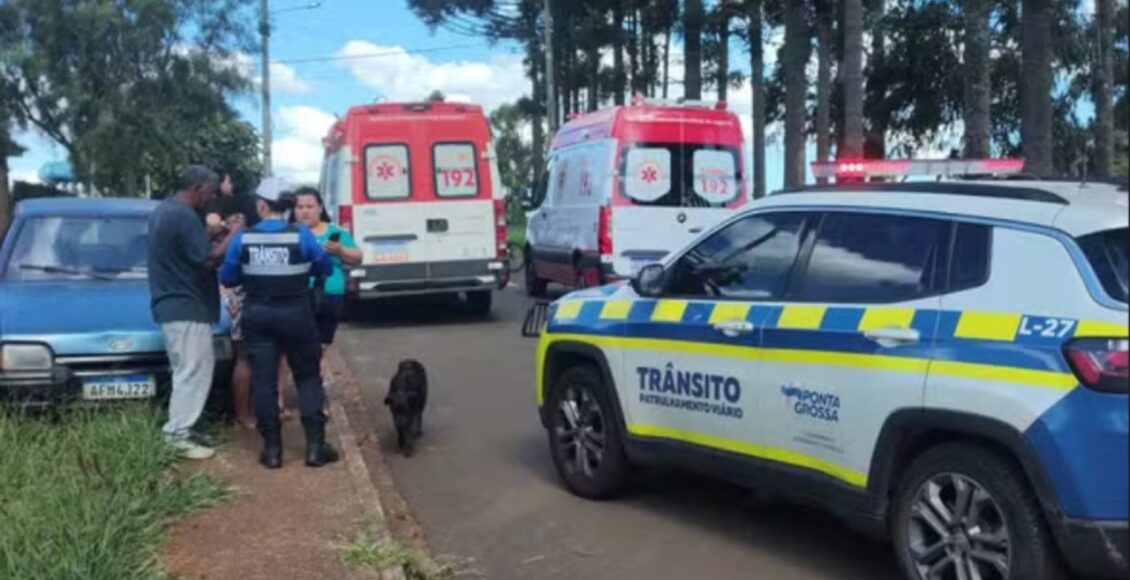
757,85
1036,87
878,114
5,193
823,83
693,17
796,89
976,94
594,79
1104,77
618,54
853,80
724,51
666,60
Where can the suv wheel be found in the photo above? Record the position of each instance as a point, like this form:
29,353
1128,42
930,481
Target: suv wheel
534,286
583,438
965,512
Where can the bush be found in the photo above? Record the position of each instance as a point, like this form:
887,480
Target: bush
90,496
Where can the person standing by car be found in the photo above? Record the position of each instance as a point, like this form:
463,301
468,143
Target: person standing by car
185,300
339,244
231,203
273,262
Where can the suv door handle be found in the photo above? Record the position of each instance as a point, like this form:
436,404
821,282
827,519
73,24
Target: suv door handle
734,328
891,337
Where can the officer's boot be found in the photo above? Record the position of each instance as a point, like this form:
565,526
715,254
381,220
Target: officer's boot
318,451
271,456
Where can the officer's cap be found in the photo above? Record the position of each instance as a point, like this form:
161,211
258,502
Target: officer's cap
271,189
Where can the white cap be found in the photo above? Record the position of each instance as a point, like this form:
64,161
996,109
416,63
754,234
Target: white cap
271,188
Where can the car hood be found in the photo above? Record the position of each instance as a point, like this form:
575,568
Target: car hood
82,317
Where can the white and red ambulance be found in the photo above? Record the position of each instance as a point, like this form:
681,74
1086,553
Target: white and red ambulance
627,185
418,186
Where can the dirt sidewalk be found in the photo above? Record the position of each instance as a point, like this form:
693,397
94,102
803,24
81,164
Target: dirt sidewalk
287,523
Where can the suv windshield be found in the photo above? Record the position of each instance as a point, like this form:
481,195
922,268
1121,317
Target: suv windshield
73,248
680,174
1108,253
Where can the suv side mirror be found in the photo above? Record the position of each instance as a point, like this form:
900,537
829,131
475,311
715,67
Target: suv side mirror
649,282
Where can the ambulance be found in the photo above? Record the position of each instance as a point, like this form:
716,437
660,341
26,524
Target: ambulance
942,364
627,185
418,186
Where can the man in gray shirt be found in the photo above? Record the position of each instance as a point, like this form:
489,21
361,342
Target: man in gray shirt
185,298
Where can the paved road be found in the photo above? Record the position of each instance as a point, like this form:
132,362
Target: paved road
484,490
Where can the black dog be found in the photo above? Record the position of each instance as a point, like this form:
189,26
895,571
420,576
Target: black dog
407,396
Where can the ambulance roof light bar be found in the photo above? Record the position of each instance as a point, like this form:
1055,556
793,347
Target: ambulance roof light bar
639,100
894,168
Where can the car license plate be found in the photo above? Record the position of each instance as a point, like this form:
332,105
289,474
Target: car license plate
119,387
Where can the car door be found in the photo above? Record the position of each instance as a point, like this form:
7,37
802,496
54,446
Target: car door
851,343
692,354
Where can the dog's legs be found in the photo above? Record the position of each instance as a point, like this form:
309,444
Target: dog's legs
418,425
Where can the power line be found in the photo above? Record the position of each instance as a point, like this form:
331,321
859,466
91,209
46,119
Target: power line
385,54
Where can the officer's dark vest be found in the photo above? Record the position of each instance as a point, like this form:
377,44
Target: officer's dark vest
273,264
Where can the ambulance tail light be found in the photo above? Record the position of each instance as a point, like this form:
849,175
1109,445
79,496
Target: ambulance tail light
895,168
1102,364
345,217
604,231
500,227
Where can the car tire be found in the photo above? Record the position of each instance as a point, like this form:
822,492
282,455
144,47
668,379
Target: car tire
584,439
1002,529
479,302
535,286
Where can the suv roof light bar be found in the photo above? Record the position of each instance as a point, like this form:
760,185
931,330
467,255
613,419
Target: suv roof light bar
639,100
888,168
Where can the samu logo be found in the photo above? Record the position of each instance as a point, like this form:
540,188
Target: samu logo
822,406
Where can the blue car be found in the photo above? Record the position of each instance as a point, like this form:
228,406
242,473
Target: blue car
75,322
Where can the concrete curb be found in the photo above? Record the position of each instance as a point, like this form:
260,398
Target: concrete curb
351,453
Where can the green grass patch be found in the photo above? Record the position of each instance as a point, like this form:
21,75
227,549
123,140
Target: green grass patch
368,548
516,234
91,495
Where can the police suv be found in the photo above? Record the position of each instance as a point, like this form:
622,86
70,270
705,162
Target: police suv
943,364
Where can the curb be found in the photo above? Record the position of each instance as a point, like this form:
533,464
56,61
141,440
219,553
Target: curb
358,471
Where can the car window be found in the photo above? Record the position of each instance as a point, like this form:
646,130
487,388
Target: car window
680,174
61,248
1107,252
749,259
456,170
870,258
970,258
387,172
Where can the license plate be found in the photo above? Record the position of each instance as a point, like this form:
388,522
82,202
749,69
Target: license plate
120,387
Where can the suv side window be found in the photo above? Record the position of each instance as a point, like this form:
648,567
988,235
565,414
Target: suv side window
970,256
872,258
748,260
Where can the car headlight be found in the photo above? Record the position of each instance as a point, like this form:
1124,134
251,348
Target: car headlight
26,357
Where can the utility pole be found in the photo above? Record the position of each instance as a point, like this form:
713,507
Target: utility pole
265,41
550,89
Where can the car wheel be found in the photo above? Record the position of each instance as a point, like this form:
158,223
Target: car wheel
479,302
534,286
583,438
965,512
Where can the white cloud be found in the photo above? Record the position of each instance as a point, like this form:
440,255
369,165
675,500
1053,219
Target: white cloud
284,79
26,175
398,76
297,154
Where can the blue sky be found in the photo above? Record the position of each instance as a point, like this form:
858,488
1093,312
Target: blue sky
369,50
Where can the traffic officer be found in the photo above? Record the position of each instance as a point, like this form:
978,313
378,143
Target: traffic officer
274,262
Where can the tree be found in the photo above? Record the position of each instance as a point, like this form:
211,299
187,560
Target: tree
8,119
115,84
223,142
876,102
1103,72
824,16
757,87
515,156
977,85
1036,87
694,17
853,80
796,53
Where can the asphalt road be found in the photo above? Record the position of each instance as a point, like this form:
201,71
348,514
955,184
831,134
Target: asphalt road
483,487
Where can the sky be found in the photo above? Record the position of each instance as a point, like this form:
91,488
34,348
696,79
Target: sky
350,52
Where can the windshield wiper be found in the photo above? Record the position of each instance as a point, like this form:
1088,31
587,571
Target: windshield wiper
66,271
129,270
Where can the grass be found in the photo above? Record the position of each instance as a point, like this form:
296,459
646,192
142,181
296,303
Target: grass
91,495
516,234
368,548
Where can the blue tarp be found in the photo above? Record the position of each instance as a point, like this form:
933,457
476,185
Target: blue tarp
56,172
